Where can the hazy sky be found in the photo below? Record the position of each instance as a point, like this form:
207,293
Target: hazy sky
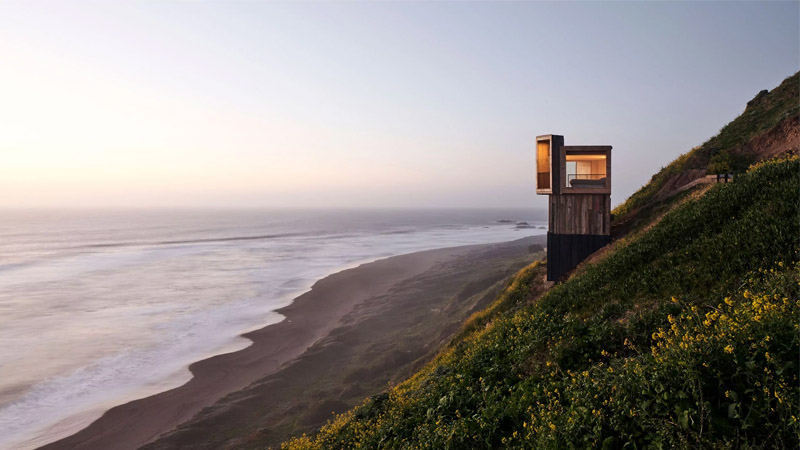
363,104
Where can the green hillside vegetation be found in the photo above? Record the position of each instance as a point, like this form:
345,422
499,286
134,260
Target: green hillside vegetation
684,335
694,343
718,154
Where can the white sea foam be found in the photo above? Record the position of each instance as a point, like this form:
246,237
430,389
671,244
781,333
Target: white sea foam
97,311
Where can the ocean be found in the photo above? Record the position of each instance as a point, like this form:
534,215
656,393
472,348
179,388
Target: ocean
98,308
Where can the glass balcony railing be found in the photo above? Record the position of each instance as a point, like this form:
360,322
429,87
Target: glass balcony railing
586,180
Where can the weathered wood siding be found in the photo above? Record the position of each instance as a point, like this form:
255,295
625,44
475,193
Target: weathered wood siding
580,214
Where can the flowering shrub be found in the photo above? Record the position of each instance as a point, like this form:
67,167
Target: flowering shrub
719,376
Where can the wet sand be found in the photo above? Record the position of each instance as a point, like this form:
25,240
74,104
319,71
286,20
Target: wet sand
331,303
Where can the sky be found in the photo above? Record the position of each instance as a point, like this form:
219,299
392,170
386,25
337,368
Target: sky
356,104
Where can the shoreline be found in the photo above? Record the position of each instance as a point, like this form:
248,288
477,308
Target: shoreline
309,318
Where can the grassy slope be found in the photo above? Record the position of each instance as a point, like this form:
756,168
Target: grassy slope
588,364
684,335
762,114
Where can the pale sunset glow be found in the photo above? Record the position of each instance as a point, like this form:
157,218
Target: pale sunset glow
427,224
356,104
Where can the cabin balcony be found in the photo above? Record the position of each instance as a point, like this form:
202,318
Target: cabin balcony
597,180
586,170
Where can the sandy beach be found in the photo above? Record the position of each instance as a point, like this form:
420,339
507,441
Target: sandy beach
379,320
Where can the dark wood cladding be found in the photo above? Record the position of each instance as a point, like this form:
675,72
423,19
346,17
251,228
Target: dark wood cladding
588,214
565,251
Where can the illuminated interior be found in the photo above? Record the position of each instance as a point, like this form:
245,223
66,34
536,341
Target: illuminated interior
587,170
543,165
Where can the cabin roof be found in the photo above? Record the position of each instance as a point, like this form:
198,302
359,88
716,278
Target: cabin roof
586,148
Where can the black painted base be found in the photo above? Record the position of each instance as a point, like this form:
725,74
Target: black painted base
565,251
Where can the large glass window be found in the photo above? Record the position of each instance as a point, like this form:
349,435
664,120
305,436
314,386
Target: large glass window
543,165
585,170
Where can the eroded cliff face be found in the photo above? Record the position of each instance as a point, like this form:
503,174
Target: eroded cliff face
782,140
778,142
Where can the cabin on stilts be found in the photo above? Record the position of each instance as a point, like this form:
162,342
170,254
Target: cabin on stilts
578,181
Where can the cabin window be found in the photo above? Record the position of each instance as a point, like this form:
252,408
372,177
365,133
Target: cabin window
543,164
585,170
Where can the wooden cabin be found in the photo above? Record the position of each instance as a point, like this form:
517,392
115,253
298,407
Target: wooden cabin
578,181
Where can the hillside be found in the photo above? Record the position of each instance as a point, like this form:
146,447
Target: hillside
768,127
684,334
